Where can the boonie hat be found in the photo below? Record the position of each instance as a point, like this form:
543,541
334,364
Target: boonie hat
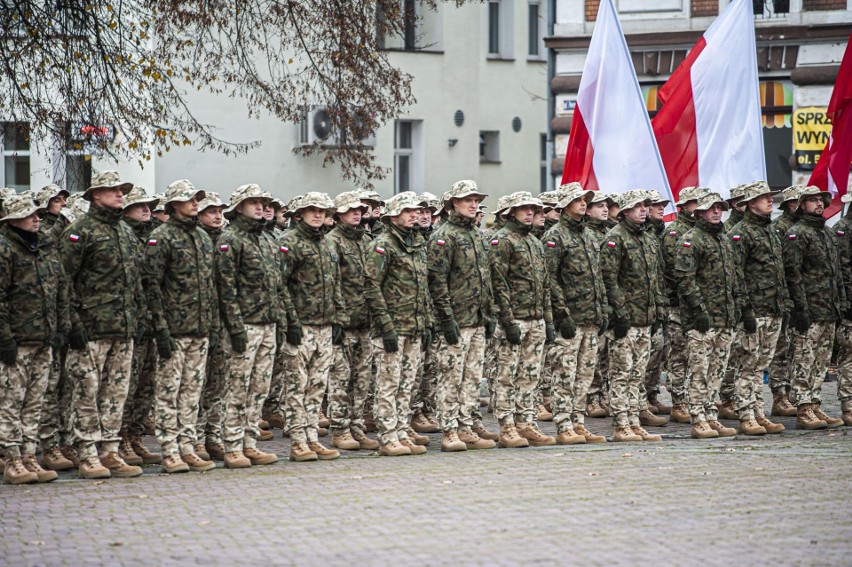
106,180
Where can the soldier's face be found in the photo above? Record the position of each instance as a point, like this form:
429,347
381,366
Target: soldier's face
637,214
613,211
186,209
161,216
268,212
525,215
313,217
251,208
538,219
739,205
812,205
761,205
28,224
406,219
377,211
656,211
713,215
598,211
478,219
425,219
211,217
279,216
55,205
467,207
108,198
553,215
689,207
576,208
792,206
351,218
140,212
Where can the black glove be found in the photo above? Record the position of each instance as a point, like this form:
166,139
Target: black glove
603,326
8,352
513,334
427,339
702,322
620,327
336,334
165,345
549,333
390,341
450,330
212,341
800,321
239,342
78,340
294,335
567,328
848,314
58,340
749,322
490,327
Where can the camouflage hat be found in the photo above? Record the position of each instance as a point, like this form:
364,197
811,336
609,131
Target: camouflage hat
522,199
632,198
138,195
462,189
812,190
708,200
181,191
738,192
431,201
791,193
161,203
20,207
243,192
48,192
755,190
502,205
7,192
570,192
369,195
550,199
688,194
400,202
210,199
106,180
657,198
293,203
600,197
349,200
277,203
75,207
313,199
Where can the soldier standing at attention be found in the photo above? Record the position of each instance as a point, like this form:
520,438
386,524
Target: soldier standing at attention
819,300
311,275
248,283
710,289
758,249
397,293
460,286
843,333
630,267
522,300
178,276
580,313
53,198
34,324
99,253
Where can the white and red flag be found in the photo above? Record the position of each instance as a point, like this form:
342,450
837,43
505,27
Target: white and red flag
832,170
611,146
709,130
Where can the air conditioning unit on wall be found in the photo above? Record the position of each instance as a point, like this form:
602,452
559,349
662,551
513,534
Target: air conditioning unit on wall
316,129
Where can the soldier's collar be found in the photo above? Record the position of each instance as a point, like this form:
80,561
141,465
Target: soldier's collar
309,231
103,214
515,225
813,220
753,218
708,226
459,220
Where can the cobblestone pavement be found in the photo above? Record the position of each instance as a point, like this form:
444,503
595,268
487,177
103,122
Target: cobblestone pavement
781,499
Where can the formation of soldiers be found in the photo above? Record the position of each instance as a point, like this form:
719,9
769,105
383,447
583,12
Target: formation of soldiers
211,323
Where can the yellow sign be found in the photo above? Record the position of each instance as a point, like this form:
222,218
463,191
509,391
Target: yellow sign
811,129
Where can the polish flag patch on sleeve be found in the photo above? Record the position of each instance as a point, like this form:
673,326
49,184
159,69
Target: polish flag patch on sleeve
672,233
74,237
380,250
791,237
840,233
551,244
152,242
611,244
687,244
736,238
224,248
441,242
495,242
284,250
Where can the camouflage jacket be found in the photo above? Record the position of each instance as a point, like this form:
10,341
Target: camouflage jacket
213,233
657,228
671,238
351,246
397,286
783,223
33,290
142,230
100,255
52,226
708,276
734,218
843,238
459,273
630,268
248,277
812,270
311,273
596,229
178,278
576,285
518,275
489,233
758,247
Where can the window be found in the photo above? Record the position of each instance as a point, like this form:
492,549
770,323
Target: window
770,8
408,160
500,17
534,29
494,28
489,147
544,169
16,155
418,30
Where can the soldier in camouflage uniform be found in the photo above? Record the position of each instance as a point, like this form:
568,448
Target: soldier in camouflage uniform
814,281
34,324
250,302
548,217
397,293
676,361
351,372
758,249
843,333
596,225
311,275
460,287
710,292
735,202
99,254
53,198
181,294
210,408
630,267
580,314
371,220
779,369
522,300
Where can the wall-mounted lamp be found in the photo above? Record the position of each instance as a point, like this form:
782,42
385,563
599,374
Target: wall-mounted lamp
453,141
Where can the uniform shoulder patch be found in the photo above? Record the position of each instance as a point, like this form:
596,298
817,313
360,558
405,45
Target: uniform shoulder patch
791,237
672,233
736,238
551,244
495,242
380,250
74,237
152,242
611,244
687,244
840,233
224,248
440,242
284,250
